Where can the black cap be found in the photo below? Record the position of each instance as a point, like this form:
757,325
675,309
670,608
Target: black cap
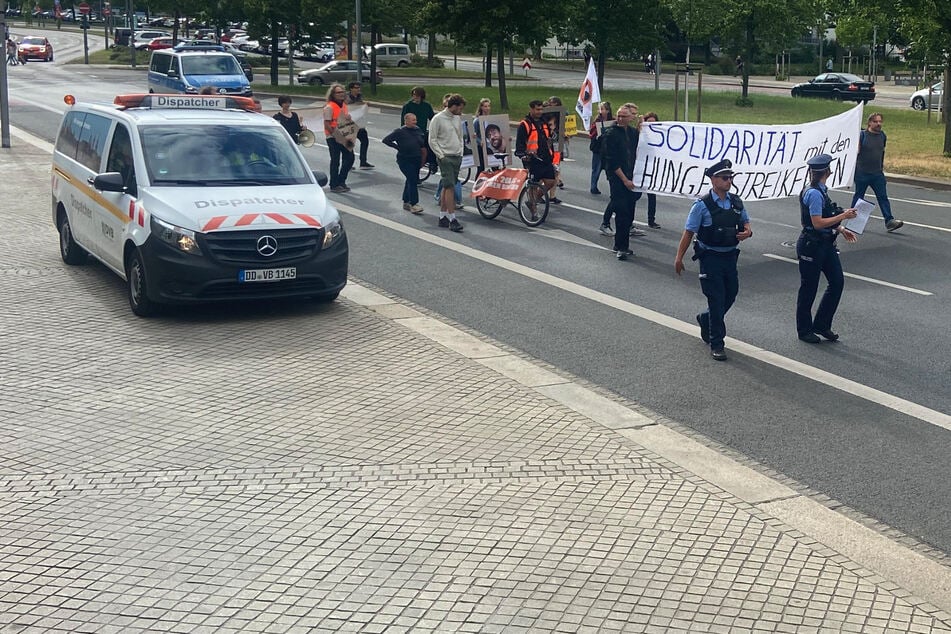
819,163
723,167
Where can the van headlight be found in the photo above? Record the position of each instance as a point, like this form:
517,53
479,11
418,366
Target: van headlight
332,233
181,239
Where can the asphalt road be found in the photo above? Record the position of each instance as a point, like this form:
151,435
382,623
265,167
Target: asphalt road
557,293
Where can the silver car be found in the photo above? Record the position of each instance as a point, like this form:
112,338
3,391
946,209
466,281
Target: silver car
341,71
920,98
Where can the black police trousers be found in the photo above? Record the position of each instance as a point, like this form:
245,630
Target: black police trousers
817,256
720,283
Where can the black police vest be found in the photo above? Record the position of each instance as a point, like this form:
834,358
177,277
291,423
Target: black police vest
829,210
726,222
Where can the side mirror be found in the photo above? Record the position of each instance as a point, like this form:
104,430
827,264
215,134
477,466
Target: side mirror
321,177
172,72
108,182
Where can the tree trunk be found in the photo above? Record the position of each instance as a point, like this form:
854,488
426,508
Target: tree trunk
602,59
503,96
373,36
274,61
944,111
488,65
432,49
748,53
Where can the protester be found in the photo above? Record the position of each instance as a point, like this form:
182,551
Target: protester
341,154
595,133
445,139
291,121
410,146
870,170
619,152
355,96
651,198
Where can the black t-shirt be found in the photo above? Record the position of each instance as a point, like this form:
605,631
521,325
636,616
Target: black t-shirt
292,123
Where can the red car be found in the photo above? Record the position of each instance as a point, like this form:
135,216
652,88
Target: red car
158,43
35,47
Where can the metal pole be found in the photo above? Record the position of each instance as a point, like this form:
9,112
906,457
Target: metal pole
874,46
656,69
359,42
4,92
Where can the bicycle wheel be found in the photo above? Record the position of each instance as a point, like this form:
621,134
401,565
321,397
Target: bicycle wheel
465,175
489,207
533,204
425,171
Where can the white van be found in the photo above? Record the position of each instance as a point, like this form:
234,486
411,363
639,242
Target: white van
194,198
390,54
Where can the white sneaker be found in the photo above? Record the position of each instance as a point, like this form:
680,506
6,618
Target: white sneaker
416,209
606,230
460,206
637,232
407,207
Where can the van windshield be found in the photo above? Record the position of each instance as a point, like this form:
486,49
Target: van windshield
211,65
186,155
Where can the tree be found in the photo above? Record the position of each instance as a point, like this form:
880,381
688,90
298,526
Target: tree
753,28
927,23
640,30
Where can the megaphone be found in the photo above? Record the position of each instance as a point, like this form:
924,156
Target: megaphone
306,138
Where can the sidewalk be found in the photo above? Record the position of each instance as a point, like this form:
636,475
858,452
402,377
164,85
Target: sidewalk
369,467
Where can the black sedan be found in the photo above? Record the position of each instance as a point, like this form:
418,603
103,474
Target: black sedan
838,86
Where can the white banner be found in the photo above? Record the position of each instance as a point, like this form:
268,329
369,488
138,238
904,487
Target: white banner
769,160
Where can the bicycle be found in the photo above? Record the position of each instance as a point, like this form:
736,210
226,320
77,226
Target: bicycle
499,186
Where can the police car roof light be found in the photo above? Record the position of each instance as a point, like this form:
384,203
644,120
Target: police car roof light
185,46
187,102
69,100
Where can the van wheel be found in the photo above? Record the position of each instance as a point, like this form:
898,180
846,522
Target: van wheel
71,252
139,300
316,81
403,64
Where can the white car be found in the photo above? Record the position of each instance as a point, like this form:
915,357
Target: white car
920,98
194,198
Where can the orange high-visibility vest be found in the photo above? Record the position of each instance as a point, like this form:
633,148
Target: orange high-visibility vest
531,144
336,109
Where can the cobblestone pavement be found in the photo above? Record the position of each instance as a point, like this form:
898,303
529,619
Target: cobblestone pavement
297,468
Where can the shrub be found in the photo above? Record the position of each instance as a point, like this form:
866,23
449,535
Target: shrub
421,60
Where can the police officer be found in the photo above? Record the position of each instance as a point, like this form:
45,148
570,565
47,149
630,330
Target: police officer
817,253
719,222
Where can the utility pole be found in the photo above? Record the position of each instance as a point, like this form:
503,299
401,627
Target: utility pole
4,92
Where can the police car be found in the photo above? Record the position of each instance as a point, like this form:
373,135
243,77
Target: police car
194,199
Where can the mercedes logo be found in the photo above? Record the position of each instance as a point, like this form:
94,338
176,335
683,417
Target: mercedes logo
267,246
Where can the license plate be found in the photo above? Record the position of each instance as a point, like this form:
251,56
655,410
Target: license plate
267,275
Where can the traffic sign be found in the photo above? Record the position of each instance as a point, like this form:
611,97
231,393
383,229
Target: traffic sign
526,63
106,11
84,8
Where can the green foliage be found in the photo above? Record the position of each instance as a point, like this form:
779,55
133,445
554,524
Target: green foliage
418,60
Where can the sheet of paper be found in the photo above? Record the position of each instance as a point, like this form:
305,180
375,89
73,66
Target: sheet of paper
864,209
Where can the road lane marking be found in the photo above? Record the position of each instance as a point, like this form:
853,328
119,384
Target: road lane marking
828,379
870,280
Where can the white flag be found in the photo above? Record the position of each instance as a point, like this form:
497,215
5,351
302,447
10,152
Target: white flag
589,94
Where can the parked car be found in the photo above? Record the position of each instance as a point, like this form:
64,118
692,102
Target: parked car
35,47
340,71
920,98
142,38
837,86
159,43
389,54
320,52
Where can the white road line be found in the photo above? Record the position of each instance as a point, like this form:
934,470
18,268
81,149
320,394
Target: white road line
902,406
870,280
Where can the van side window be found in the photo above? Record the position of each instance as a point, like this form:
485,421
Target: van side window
120,158
160,63
68,139
92,141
